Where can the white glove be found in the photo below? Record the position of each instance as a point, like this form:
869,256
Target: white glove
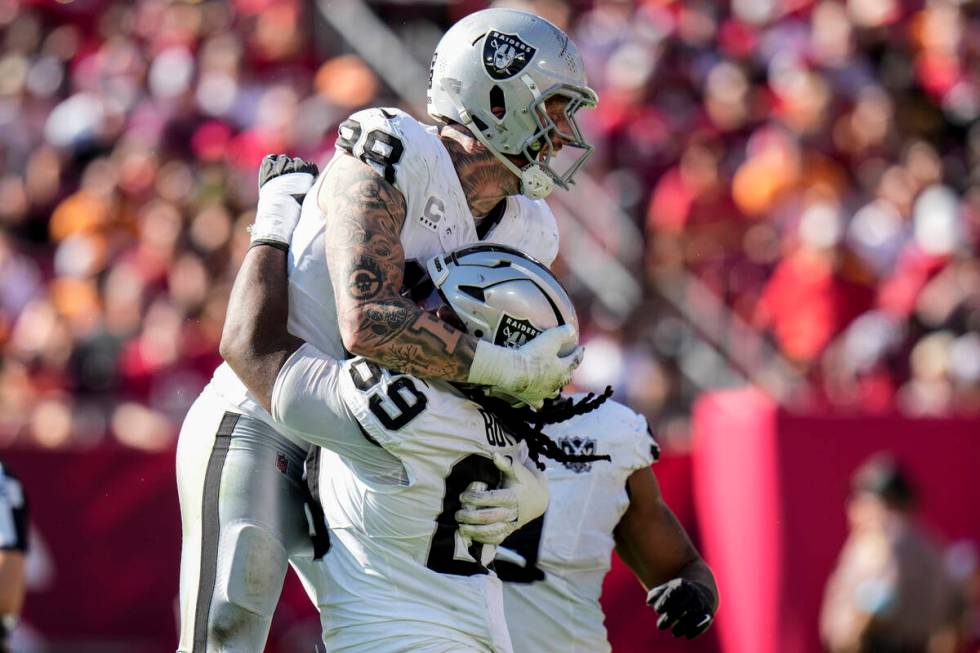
490,516
532,373
283,182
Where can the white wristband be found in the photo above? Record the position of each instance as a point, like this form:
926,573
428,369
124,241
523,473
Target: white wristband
275,218
496,366
278,210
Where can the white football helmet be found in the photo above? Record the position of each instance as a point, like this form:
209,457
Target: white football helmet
494,71
501,295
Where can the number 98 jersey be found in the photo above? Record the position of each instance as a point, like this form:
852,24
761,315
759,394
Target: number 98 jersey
411,157
398,576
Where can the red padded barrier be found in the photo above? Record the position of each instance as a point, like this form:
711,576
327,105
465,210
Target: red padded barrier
107,548
770,489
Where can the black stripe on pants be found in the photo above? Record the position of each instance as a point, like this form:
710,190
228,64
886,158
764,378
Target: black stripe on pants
320,535
211,530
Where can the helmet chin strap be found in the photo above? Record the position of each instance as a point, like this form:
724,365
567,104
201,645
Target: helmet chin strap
536,184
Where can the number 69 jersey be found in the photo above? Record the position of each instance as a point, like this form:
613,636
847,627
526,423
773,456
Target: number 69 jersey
398,576
554,566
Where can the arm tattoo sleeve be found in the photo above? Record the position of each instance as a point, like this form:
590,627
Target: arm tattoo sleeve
365,215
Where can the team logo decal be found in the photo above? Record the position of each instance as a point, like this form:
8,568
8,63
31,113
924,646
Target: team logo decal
281,463
512,332
505,55
576,446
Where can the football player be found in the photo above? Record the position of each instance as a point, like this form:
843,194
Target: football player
554,566
399,576
505,87
13,547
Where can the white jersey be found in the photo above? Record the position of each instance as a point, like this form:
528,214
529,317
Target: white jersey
398,576
410,156
553,575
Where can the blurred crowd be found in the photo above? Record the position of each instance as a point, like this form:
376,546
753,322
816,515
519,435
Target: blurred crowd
816,165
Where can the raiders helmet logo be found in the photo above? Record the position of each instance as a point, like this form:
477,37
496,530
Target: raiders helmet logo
513,333
576,446
505,55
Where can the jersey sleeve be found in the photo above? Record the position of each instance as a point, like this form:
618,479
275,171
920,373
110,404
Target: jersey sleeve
388,140
306,399
388,406
635,447
645,449
529,226
13,514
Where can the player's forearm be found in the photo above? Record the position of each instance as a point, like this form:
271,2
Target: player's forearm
398,335
255,342
697,570
11,582
659,550
652,542
654,566
365,217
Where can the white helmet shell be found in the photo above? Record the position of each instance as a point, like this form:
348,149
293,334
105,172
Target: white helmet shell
500,294
494,71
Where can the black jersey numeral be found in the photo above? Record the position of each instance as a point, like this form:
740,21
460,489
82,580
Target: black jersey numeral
442,551
380,147
395,408
526,542
386,156
348,134
407,410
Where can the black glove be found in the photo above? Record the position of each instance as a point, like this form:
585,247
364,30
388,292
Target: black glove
684,606
283,183
275,165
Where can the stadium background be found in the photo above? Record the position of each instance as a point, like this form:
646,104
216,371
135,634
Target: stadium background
774,257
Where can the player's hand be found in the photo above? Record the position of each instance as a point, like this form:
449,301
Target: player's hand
685,606
283,183
532,373
490,516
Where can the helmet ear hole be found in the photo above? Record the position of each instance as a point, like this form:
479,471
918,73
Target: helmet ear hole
498,104
482,126
474,292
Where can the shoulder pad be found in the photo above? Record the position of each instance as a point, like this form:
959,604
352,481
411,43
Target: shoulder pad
529,226
627,434
390,141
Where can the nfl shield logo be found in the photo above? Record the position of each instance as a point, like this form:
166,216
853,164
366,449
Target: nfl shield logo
505,55
281,463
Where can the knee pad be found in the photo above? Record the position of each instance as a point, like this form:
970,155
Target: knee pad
251,568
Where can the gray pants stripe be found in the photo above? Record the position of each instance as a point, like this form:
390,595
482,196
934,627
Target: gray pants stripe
211,530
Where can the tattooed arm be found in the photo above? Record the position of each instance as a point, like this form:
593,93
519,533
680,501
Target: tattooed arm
365,215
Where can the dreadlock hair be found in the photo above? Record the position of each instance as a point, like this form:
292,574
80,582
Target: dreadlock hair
527,424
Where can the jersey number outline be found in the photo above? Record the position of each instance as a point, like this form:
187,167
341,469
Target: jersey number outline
392,408
349,134
442,549
527,543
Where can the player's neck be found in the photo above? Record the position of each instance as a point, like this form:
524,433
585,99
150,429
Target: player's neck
484,179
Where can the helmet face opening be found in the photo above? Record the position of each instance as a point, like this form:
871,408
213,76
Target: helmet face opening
557,145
